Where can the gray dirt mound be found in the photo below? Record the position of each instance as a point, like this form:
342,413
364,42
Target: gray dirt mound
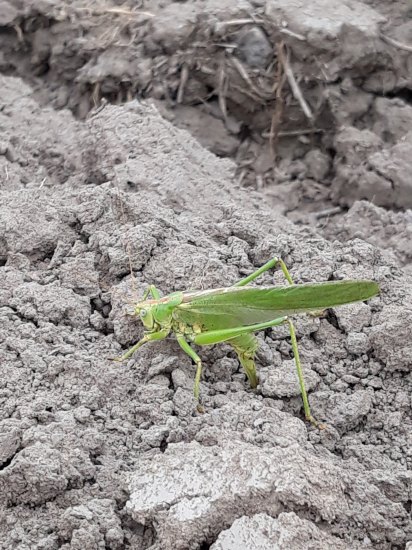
96,454
383,228
310,99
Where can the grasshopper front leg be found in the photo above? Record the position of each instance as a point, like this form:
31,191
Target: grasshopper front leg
151,290
160,335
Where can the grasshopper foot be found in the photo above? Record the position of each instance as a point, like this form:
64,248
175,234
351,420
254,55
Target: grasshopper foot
117,359
315,423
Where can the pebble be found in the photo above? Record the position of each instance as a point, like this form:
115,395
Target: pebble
254,47
357,343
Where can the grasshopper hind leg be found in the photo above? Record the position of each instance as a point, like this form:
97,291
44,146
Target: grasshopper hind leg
273,263
295,349
246,347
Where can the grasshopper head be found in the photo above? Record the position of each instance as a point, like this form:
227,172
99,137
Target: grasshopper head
146,313
157,314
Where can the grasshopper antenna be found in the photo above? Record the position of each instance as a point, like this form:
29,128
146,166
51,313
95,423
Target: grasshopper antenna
125,240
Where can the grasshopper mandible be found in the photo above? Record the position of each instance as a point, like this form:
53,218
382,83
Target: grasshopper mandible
235,313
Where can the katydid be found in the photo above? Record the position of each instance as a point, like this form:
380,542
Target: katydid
233,314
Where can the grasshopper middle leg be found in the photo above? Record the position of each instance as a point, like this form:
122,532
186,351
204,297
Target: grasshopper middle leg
191,353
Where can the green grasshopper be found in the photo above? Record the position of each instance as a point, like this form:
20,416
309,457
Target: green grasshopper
235,313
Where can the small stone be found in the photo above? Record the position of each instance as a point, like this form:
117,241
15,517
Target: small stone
80,512
329,437
184,403
96,320
357,343
237,386
374,382
317,164
254,47
362,372
350,379
160,380
339,385
82,414
162,364
222,369
393,420
264,353
180,379
114,538
155,436
220,400
220,387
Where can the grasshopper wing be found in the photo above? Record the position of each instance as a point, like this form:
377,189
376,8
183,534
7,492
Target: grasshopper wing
241,306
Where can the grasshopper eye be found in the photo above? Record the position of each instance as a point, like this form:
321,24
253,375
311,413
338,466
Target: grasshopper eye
143,313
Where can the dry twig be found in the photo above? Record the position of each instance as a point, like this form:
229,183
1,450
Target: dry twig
116,11
328,212
234,22
278,88
293,34
243,73
395,43
96,94
184,76
297,93
223,85
295,133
